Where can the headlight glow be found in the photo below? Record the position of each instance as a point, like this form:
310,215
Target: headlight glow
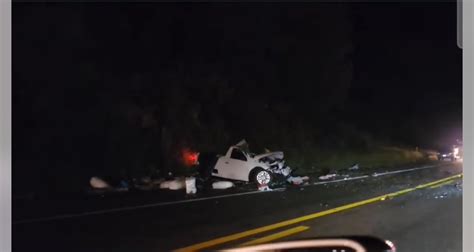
456,151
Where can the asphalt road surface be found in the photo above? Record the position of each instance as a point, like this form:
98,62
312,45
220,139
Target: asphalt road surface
422,219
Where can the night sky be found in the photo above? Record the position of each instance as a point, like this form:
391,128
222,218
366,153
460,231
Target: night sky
207,75
413,67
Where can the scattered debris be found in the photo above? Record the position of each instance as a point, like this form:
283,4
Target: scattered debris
191,185
222,185
99,183
239,164
264,188
176,184
325,177
297,180
145,180
123,184
165,185
354,167
283,171
147,184
156,181
147,187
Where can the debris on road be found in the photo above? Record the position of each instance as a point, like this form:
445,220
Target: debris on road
267,170
354,167
191,185
100,186
98,183
147,184
326,177
283,171
264,188
222,185
123,186
156,181
297,180
145,180
176,184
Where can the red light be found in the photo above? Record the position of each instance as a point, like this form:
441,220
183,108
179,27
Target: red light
190,158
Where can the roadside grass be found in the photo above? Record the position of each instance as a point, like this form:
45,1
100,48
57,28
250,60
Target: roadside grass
383,158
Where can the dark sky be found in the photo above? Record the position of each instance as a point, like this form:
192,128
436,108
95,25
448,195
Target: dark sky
393,70
407,59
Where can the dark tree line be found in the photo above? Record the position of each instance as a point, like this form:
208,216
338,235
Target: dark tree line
120,91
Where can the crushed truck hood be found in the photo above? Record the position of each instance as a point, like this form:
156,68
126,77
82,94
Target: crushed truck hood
270,155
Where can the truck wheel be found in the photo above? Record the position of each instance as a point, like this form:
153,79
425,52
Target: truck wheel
261,176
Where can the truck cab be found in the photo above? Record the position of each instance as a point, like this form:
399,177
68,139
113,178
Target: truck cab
236,164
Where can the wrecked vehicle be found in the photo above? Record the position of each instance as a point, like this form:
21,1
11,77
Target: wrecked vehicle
239,164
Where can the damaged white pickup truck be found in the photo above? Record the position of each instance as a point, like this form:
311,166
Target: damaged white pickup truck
240,164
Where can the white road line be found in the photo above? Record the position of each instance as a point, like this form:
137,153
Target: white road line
340,180
406,170
374,175
122,209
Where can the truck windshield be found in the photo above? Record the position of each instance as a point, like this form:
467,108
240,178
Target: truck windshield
238,154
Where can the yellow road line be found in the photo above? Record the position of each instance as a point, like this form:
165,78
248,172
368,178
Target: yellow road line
237,236
442,184
276,236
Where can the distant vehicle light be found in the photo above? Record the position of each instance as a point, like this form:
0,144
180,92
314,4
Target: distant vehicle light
444,155
456,151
